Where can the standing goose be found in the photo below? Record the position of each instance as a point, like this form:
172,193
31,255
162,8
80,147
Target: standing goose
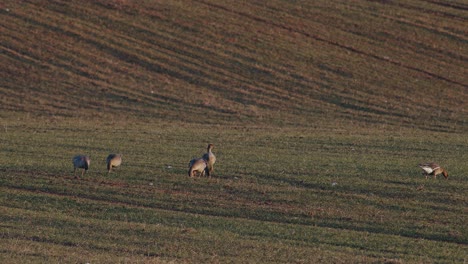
81,162
113,160
434,169
210,159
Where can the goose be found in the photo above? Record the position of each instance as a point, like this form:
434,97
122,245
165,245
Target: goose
434,169
197,165
113,160
81,162
210,159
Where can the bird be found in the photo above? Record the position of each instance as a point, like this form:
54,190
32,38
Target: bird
197,165
434,169
113,160
81,162
210,159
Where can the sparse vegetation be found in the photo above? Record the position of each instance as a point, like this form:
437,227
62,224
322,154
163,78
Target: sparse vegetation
320,112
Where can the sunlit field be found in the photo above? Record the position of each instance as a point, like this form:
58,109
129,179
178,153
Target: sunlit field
319,111
277,195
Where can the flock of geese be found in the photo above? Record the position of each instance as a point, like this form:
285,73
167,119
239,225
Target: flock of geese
202,166
83,162
205,165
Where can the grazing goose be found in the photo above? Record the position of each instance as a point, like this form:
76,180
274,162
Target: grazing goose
210,159
197,165
434,169
81,162
113,160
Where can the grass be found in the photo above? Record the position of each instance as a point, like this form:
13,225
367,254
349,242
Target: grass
288,195
319,111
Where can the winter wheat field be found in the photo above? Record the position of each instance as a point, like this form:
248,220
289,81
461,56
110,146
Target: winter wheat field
319,111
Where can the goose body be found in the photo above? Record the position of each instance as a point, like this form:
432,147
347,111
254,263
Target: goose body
81,162
433,169
197,165
210,159
113,160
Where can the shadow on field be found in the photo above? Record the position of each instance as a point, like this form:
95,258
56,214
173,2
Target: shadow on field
291,181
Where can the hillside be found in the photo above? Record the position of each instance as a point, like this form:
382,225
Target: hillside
304,63
320,112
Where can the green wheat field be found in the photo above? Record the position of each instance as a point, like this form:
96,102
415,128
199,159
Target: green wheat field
319,111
